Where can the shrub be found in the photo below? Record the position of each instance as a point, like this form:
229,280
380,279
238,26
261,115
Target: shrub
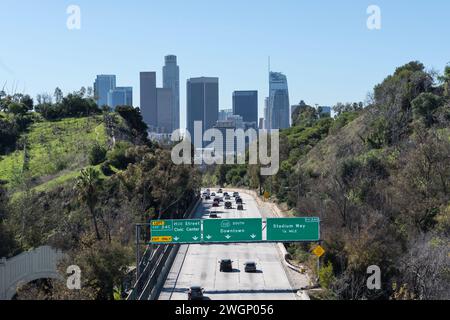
106,169
118,157
326,276
97,155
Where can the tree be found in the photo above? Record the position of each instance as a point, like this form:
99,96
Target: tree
58,95
8,244
135,120
88,186
424,269
17,108
425,105
28,102
97,154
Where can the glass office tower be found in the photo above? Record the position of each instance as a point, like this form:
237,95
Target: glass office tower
102,85
278,104
120,96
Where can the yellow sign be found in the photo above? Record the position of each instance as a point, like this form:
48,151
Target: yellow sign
162,239
318,251
266,195
158,223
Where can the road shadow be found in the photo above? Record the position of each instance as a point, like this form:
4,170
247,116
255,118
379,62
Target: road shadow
232,271
255,272
252,291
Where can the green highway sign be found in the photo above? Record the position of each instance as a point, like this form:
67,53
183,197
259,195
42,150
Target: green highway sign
293,229
232,230
176,231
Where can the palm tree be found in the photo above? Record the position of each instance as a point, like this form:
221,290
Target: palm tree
87,187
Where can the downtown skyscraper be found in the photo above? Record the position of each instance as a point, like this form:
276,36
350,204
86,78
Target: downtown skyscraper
202,104
278,107
149,106
102,86
171,80
245,104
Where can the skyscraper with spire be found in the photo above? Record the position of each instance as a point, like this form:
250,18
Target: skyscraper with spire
278,107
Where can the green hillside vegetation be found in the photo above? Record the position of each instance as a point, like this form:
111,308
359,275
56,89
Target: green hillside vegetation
79,178
53,150
378,176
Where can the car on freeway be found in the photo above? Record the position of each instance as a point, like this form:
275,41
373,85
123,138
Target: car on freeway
196,293
220,191
213,215
215,204
228,205
213,194
227,198
239,201
225,194
250,267
240,207
226,265
208,197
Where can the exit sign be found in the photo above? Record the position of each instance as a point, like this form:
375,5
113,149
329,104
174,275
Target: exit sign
176,231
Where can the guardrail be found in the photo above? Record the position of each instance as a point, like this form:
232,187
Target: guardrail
155,265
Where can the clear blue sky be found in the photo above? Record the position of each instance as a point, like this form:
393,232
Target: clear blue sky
324,47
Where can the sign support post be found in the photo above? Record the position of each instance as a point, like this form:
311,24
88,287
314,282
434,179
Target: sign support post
138,251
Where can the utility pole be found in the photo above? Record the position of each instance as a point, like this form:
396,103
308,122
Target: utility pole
138,251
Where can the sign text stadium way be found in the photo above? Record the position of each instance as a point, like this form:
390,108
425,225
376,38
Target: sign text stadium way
234,230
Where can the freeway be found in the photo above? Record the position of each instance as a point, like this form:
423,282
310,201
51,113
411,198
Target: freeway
198,265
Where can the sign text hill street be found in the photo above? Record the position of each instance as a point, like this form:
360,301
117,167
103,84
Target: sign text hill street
234,230
176,231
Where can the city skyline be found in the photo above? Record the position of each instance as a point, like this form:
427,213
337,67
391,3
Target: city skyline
302,44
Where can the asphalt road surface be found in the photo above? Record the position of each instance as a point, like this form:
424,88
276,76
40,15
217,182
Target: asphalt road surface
198,265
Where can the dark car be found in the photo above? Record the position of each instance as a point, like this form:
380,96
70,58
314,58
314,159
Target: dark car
227,198
226,265
220,191
196,293
215,204
213,194
213,215
225,194
250,267
240,207
208,197
239,201
228,205
235,194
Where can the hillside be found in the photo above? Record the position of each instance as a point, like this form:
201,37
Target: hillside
79,178
378,176
53,150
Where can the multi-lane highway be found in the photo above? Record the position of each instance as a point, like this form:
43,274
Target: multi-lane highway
198,265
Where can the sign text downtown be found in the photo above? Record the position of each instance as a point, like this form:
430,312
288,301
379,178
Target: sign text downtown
234,230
